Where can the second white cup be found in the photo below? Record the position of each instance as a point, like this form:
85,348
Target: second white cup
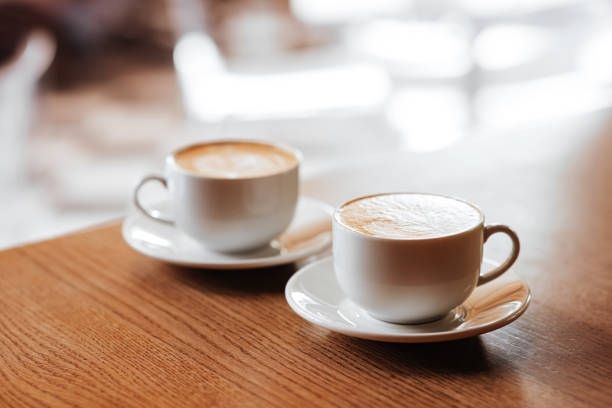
236,213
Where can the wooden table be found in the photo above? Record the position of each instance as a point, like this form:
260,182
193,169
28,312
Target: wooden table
86,321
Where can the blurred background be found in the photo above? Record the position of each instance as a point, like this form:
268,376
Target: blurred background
93,93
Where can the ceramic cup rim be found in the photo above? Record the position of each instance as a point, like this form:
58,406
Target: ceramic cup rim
479,224
171,159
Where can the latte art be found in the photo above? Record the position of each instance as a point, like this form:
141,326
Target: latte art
408,216
235,159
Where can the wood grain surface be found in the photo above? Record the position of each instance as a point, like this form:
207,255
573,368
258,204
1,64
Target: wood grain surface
87,321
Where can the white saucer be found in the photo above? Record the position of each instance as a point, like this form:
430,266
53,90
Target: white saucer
308,234
314,294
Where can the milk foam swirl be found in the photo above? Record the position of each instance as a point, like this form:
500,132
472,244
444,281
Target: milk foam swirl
235,159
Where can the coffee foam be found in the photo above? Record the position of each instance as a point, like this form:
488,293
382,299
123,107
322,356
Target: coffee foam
235,160
408,216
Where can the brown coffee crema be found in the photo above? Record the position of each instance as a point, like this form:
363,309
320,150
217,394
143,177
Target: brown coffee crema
235,159
406,216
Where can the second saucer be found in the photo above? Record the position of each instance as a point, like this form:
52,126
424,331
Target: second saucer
308,234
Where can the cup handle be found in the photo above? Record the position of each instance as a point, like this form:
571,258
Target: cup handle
516,247
155,215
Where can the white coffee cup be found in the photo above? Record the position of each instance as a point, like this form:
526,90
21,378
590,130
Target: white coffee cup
227,214
413,280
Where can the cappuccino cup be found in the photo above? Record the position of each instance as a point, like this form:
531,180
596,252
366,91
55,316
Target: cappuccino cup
411,258
229,195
